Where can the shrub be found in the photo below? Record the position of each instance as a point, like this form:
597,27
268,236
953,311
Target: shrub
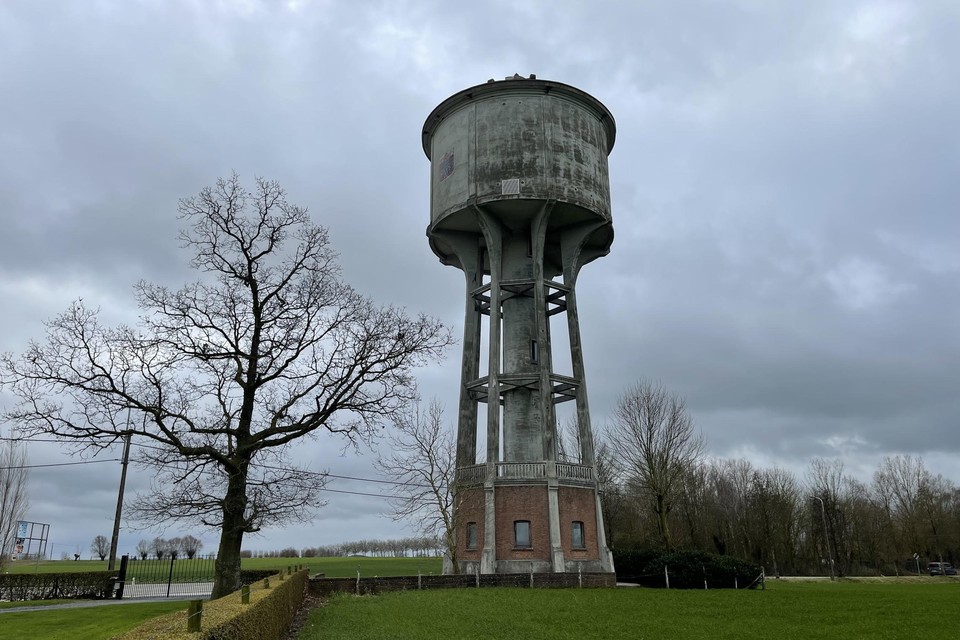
267,617
687,569
250,576
53,586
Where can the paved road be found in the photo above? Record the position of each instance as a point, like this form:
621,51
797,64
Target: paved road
84,604
179,589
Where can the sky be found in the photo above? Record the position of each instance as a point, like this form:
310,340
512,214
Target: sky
784,196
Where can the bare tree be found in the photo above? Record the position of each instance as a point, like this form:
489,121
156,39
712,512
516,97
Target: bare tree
190,546
655,443
422,464
269,346
826,482
100,547
159,547
13,494
174,546
143,549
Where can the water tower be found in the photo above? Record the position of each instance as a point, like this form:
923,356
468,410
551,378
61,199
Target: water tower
520,201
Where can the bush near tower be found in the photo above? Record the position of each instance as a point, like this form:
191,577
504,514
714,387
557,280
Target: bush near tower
687,569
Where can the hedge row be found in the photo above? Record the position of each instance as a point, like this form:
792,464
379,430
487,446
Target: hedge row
686,569
52,586
267,617
250,576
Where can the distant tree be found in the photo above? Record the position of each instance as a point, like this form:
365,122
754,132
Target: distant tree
190,546
267,347
100,547
826,482
159,546
143,549
421,461
13,494
655,443
174,547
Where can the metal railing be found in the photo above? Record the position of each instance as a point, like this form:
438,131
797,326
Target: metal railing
165,577
563,471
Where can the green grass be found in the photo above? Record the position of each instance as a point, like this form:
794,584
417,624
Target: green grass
825,610
90,623
332,567
32,603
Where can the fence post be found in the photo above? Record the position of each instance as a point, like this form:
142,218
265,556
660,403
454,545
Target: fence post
170,577
194,614
122,576
666,576
245,594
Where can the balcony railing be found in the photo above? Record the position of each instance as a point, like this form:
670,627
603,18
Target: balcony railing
565,472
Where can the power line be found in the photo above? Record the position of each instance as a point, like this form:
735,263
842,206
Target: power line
60,464
272,467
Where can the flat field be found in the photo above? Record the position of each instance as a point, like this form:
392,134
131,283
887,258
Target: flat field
90,623
332,567
802,610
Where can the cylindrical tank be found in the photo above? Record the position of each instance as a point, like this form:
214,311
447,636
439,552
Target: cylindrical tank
509,146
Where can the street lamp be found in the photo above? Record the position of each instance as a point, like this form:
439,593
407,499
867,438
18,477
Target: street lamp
826,536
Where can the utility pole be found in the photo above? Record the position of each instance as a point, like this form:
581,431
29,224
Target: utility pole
116,520
826,536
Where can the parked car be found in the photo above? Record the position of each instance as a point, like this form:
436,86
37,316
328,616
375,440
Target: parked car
941,569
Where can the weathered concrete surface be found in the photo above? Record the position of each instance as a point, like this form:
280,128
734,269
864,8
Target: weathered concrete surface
519,196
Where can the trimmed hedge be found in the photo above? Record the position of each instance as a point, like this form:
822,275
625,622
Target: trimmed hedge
54,586
687,569
249,576
267,617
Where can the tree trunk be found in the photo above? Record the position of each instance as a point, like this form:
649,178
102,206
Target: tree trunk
661,509
227,568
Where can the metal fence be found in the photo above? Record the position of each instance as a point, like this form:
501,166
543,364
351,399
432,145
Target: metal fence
165,577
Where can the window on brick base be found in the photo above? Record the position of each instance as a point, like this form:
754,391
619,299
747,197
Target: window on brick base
521,533
471,535
576,538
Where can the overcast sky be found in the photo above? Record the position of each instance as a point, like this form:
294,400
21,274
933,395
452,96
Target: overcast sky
784,182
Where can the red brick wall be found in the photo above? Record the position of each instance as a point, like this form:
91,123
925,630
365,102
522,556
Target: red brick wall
578,504
522,503
529,503
471,510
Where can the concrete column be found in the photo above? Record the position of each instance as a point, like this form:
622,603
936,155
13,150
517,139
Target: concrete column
606,556
556,546
493,235
538,231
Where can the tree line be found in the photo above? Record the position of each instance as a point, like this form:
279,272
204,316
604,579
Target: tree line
417,547
160,548
659,490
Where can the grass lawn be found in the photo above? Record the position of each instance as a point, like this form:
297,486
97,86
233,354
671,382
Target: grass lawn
90,623
32,603
847,610
333,567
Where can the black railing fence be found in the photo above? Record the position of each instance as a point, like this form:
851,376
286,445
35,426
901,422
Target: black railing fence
164,577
